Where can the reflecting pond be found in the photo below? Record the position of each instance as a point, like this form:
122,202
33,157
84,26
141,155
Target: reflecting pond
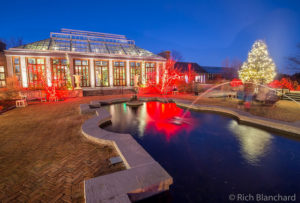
211,156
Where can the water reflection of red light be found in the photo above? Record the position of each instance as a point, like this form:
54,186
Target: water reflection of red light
160,116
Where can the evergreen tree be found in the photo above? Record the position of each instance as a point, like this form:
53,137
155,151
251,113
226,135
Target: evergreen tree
259,67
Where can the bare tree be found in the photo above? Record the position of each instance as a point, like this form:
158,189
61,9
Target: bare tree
13,42
230,68
294,64
226,63
176,56
236,63
2,45
173,55
165,54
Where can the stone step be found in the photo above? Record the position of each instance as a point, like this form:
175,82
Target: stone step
138,183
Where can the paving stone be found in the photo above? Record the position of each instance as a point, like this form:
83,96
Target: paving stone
115,160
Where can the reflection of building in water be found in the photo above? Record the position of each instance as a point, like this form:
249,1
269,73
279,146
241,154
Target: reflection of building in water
142,120
255,143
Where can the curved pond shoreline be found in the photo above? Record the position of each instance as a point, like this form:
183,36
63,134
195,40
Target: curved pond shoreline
282,127
144,177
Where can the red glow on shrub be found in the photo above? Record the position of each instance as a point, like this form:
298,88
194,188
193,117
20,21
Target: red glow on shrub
40,82
285,83
275,84
236,82
169,76
151,89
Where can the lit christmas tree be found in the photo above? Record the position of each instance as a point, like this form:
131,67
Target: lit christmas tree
259,67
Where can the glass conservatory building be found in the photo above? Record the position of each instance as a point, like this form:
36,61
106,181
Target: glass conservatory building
104,61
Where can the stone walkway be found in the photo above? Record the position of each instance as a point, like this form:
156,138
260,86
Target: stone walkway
62,182
45,158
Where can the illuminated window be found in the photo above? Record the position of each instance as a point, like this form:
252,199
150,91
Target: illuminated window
160,69
2,76
135,69
36,72
119,73
150,72
59,72
101,74
17,68
81,67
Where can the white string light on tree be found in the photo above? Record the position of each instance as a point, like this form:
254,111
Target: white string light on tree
259,67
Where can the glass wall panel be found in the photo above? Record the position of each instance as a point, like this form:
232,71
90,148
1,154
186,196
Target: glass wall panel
115,49
101,74
59,72
98,47
60,45
2,76
150,72
119,73
82,68
40,45
160,70
135,69
143,52
36,72
80,46
129,50
17,68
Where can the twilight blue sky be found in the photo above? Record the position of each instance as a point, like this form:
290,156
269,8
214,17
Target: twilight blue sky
205,32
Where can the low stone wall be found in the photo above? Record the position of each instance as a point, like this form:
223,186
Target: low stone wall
37,94
107,91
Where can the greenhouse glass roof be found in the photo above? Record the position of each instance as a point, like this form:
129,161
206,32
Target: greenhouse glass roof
89,42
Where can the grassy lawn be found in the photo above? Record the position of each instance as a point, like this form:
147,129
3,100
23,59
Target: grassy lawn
45,157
